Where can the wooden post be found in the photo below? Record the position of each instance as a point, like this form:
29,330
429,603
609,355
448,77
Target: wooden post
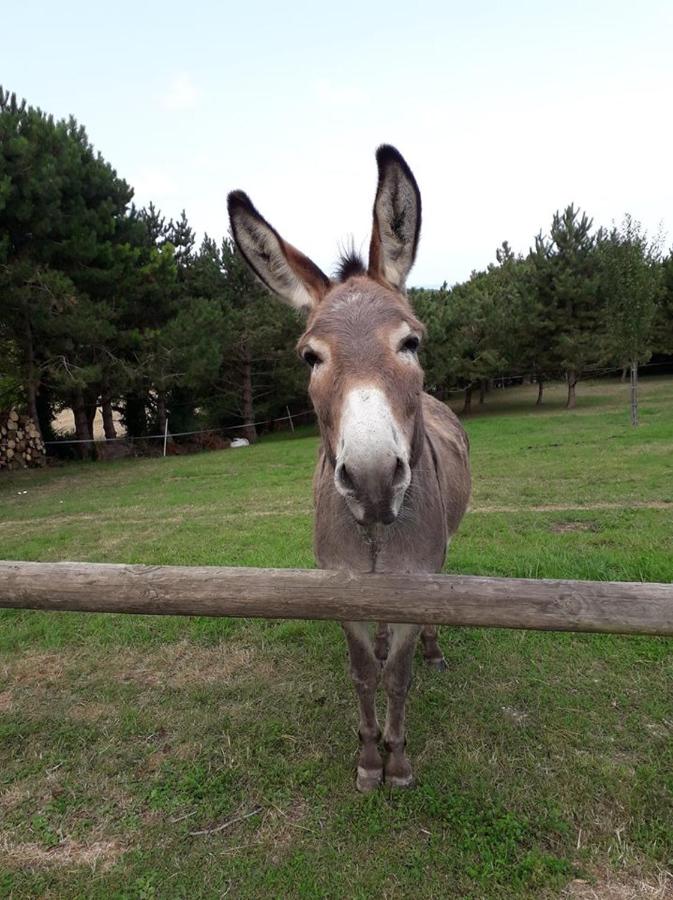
165,435
546,605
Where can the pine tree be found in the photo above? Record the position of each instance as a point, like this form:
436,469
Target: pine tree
567,281
631,283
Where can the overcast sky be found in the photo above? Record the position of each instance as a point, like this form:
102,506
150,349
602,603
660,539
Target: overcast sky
505,111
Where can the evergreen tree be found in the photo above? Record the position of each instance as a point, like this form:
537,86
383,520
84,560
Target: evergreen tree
631,281
60,213
567,282
663,328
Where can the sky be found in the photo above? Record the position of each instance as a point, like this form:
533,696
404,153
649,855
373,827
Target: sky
504,111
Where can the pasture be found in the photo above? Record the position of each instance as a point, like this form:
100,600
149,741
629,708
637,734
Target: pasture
148,757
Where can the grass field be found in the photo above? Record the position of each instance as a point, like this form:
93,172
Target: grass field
544,761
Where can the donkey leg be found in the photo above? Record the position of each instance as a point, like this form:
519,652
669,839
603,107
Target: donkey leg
382,642
365,670
397,680
431,650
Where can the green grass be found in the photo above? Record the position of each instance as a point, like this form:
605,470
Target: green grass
540,758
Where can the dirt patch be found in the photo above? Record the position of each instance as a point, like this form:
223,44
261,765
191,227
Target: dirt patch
5,701
568,527
660,888
96,855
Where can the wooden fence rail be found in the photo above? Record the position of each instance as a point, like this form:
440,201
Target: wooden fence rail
617,607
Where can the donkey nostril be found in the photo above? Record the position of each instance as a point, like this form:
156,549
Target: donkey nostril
345,479
400,473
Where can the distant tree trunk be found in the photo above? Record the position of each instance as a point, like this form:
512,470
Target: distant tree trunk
32,404
161,411
91,413
571,378
467,406
82,427
482,391
108,418
44,415
135,415
249,431
625,370
540,392
634,393
32,379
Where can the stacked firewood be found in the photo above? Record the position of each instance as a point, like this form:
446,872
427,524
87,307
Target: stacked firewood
21,445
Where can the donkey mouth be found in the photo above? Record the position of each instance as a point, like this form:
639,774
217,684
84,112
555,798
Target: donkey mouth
367,521
367,513
370,498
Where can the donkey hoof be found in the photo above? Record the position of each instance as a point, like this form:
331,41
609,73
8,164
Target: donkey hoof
368,780
400,781
438,664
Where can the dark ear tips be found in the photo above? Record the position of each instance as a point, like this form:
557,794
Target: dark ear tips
387,155
238,200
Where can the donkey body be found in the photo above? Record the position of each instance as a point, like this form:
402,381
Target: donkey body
392,481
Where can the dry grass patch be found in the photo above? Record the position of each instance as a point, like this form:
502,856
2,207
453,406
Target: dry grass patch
97,855
184,665
280,827
575,507
659,888
14,796
93,711
28,669
568,527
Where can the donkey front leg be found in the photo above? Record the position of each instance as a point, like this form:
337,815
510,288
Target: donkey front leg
397,680
365,669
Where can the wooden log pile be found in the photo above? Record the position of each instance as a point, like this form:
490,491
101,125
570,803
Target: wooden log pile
21,446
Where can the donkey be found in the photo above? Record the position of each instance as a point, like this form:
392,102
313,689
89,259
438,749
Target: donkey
392,480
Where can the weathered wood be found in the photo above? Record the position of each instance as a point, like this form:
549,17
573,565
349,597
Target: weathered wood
20,444
617,607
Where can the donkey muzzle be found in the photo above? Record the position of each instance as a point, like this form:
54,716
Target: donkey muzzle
373,492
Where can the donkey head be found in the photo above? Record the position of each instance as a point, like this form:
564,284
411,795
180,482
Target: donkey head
360,342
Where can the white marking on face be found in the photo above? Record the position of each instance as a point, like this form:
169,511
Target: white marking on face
371,439
368,426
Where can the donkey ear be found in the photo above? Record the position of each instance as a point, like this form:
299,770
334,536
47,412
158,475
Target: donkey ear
397,220
282,268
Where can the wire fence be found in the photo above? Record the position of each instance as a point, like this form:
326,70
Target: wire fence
153,437
594,372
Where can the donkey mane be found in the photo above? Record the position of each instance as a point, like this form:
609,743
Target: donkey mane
350,263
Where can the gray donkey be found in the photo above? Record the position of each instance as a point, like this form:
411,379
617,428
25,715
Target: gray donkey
393,478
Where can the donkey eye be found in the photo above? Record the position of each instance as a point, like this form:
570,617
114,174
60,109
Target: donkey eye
311,359
410,344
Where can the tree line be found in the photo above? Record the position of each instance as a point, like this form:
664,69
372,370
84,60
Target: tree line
104,304
581,300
